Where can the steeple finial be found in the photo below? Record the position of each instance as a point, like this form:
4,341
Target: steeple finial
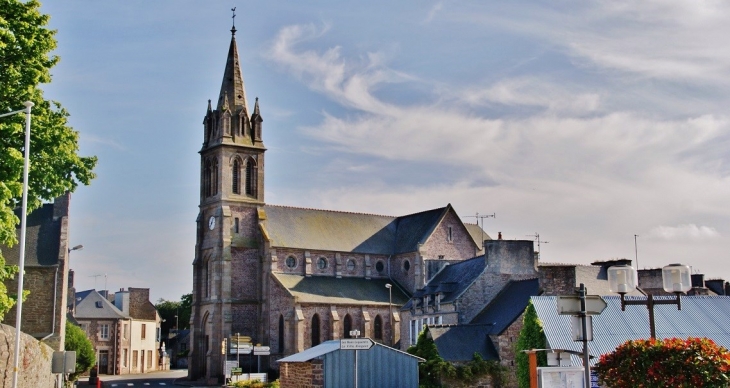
256,108
233,29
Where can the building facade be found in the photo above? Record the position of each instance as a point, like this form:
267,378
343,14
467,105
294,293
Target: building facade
291,278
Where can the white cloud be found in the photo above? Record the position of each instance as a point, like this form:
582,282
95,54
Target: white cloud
685,231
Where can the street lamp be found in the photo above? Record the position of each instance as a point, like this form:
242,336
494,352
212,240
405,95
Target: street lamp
390,311
23,217
675,278
76,248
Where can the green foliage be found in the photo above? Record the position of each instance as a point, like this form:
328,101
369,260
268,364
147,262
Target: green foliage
434,369
672,362
55,167
532,336
85,357
256,384
169,309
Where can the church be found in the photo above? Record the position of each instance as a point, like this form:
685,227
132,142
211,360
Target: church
290,278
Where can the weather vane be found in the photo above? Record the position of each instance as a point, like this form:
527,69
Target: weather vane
233,29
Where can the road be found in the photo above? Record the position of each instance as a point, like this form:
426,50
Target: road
146,380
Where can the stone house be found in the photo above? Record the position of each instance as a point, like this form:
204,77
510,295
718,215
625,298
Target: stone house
288,277
46,273
125,334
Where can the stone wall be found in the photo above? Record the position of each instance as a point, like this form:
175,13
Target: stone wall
302,374
35,363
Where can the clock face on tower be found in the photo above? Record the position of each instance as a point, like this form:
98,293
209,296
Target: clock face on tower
211,222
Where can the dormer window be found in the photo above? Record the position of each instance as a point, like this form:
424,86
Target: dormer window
99,304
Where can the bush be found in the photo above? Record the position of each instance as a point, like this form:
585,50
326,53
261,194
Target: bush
85,357
255,384
531,336
672,362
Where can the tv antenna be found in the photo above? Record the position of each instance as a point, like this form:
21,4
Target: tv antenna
539,242
481,217
97,276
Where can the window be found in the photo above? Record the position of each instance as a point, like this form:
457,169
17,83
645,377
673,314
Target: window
406,265
379,266
125,330
144,330
85,327
451,235
149,359
322,263
135,354
235,225
99,304
281,333
315,330
251,177
104,331
351,265
378,329
291,262
125,355
236,177
347,326
441,257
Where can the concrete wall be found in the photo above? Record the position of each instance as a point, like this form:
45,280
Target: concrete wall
35,363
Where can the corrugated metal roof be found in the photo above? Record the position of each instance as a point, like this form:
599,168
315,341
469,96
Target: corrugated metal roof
379,367
332,290
701,316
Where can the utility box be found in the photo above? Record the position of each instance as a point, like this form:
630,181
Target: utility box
63,362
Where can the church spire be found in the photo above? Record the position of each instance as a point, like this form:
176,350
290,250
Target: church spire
233,84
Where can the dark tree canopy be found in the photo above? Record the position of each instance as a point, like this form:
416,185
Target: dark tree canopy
55,167
532,336
76,341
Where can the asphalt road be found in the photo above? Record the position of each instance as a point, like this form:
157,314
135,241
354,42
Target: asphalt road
145,380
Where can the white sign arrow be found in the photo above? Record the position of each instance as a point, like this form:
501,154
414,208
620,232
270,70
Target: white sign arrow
570,305
356,344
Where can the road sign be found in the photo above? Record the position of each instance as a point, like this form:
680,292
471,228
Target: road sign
576,328
241,348
261,350
570,305
356,344
236,371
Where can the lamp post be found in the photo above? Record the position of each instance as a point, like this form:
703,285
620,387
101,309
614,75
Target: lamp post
76,248
23,217
390,310
675,278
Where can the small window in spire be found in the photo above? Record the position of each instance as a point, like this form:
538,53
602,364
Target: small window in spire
236,177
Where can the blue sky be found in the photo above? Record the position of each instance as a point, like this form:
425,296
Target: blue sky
585,122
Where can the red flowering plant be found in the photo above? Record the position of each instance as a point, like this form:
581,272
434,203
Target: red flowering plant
671,362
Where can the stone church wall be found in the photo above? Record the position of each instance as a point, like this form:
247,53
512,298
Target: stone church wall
245,270
460,247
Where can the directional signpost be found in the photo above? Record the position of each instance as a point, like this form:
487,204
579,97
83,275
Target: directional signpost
356,344
582,306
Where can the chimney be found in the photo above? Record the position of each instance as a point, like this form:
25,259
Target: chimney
698,280
716,286
511,257
499,235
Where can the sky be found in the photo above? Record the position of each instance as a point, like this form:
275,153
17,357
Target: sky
586,122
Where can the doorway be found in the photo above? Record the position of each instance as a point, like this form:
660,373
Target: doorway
104,362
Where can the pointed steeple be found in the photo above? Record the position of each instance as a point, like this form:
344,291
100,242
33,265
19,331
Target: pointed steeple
233,84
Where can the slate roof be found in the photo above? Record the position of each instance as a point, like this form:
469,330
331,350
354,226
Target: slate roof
327,230
453,280
459,343
478,234
92,305
331,290
42,239
508,305
701,316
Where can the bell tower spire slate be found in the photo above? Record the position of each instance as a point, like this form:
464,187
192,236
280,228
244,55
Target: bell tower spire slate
233,79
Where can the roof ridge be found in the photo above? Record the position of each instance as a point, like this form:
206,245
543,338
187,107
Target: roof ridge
331,211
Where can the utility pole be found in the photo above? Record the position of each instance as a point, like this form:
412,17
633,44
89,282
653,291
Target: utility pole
636,252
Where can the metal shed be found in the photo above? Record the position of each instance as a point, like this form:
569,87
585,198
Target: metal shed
328,366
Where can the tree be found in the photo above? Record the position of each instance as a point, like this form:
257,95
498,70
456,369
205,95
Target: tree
671,362
531,336
174,313
430,371
85,357
55,167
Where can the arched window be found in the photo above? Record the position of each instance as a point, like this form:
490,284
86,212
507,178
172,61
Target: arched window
236,179
281,333
214,177
206,178
378,329
315,330
251,176
347,326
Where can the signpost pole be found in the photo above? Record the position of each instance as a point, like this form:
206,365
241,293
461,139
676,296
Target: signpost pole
238,350
355,368
584,323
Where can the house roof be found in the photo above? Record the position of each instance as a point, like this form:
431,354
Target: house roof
453,280
478,234
460,342
42,239
331,290
92,305
508,305
331,346
701,316
327,230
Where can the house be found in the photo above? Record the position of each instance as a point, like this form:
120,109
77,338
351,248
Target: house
292,278
124,334
328,366
46,272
